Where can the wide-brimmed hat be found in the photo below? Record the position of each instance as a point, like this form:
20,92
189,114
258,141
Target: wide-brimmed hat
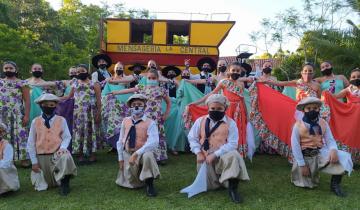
308,100
166,70
142,68
47,97
217,98
105,57
210,61
136,96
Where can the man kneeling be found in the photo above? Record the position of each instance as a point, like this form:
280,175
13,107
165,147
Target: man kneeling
9,180
47,145
314,149
214,139
139,137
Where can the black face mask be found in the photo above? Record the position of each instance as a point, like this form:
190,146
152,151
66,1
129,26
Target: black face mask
185,77
267,70
83,76
102,66
48,110
355,82
73,76
171,76
37,74
235,76
137,72
327,72
312,115
10,74
216,115
119,72
206,69
222,69
242,74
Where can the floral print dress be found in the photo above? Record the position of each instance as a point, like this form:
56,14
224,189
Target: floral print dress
84,128
155,96
11,113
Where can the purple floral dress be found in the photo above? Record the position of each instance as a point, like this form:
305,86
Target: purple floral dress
11,113
84,128
155,96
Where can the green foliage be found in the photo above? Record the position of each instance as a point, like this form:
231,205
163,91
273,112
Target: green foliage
32,32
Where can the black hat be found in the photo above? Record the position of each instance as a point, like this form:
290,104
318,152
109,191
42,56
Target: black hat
142,68
165,70
105,57
208,60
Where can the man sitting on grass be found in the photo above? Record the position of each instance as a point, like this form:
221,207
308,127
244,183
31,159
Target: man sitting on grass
139,138
314,149
214,139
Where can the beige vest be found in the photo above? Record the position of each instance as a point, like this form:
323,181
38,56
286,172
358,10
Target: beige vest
217,138
311,141
3,144
141,133
48,140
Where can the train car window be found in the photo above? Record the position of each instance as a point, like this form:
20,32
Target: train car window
178,32
141,31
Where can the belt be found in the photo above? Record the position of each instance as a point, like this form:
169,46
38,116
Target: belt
310,152
46,154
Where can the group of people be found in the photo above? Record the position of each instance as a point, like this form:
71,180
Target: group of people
221,118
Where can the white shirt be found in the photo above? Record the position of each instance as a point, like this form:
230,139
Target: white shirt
329,143
8,156
65,136
232,140
95,78
151,144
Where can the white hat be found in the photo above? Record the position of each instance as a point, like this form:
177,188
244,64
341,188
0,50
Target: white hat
47,97
308,100
3,127
217,98
136,96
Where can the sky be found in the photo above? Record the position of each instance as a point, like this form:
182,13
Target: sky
246,13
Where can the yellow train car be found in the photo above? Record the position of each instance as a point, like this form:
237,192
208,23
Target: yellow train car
168,42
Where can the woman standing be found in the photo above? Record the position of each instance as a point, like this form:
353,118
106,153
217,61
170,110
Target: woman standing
87,114
15,110
329,81
155,95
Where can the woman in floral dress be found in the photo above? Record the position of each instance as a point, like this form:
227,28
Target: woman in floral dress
114,108
155,95
15,110
87,114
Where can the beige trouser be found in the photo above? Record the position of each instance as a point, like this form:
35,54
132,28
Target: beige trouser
9,180
315,164
133,176
228,166
55,167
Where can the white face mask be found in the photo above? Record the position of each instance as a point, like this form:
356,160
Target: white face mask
137,111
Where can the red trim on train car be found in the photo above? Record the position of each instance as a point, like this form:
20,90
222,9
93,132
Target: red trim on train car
161,59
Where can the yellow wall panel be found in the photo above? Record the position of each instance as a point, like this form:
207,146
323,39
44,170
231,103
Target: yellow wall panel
215,33
159,33
118,31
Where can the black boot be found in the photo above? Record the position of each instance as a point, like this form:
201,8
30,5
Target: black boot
150,190
335,185
65,185
233,193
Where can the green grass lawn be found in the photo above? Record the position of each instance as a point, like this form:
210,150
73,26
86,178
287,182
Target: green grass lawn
269,188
